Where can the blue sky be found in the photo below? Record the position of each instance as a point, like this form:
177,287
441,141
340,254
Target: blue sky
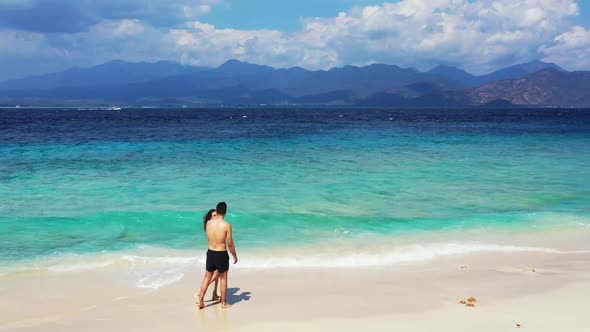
584,18
285,15
40,36
276,14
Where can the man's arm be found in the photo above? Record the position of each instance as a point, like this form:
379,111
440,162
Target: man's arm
230,243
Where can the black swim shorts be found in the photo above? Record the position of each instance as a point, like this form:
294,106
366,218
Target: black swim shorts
217,260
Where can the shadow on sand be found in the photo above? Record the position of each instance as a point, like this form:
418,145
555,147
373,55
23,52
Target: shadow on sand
234,297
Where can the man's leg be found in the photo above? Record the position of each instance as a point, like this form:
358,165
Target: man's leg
223,277
215,296
204,286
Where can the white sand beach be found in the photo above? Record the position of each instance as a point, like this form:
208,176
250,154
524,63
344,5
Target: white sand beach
540,291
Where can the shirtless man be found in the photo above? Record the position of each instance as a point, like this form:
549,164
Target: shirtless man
219,232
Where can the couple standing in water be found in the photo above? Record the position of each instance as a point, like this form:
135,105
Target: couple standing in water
219,232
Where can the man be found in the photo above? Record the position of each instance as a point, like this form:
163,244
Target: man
219,232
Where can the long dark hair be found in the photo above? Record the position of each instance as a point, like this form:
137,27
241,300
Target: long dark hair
207,217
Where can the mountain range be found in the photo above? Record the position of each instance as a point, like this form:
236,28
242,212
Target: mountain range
516,71
239,83
113,72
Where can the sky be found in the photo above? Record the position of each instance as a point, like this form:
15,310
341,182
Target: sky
41,36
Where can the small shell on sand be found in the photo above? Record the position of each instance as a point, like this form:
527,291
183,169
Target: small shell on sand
469,303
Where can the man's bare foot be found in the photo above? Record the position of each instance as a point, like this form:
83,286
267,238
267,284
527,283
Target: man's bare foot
196,297
215,298
225,305
201,305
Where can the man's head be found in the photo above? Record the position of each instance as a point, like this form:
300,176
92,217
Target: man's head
221,209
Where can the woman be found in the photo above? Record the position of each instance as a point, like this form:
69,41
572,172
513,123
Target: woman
208,216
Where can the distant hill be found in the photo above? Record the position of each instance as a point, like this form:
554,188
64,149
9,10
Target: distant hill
517,71
447,99
455,74
298,82
548,87
241,83
113,72
363,81
238,68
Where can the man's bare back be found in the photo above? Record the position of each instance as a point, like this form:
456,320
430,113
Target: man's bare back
217,231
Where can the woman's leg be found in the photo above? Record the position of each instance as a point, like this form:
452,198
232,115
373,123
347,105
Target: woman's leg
215,279
204,286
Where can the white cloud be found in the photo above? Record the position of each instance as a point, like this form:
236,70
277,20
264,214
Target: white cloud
478,35
119,28
571,49
203,44
204,9
481,35
73,16
24,52
16,42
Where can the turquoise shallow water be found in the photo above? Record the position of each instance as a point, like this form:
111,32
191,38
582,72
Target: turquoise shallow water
75,182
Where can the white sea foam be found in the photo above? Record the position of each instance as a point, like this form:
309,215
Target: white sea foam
154,272
154,268
158,271
61,263
72,267
159,279
413,253
165,260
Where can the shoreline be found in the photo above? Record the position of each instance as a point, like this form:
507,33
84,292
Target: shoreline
504,285
363,251
511,288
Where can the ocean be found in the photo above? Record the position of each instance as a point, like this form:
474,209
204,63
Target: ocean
81,184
